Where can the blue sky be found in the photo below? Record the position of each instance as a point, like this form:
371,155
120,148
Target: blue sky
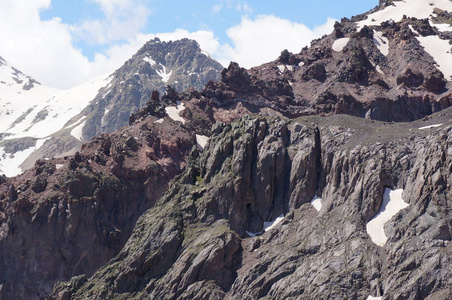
65,42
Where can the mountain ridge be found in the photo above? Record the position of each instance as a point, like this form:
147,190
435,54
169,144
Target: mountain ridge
63,120
310,143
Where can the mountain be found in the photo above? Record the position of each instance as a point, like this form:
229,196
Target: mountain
43,122
31,113
180,64
312,176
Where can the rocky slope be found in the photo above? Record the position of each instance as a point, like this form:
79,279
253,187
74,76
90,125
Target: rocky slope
395,68
287,199
157,65
40,122
69,216
198,241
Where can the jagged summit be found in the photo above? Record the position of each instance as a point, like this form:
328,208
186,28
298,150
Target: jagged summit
11,76
180,64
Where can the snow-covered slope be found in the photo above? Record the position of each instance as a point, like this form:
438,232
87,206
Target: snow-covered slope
438,14
33,112
419,9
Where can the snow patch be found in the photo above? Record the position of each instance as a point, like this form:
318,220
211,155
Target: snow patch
159,121
58,166
174,112
430,126
379,70
201,141
150,61
10,163
272,224
317,203
165,76
381,42
374,298
77,131
267,226
441,52
340,44
282,68
419,9
442,27
392,204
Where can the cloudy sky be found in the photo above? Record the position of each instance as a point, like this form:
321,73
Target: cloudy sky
63,43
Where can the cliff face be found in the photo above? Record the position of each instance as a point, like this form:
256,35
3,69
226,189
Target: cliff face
308,187
205,238
69,216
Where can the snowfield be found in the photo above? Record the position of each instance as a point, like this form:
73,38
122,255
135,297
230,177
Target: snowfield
340,44
174,112
441,52
29,109
317,203
419,9
9,163
392,204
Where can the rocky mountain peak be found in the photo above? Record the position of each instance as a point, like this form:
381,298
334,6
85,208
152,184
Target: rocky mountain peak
180,64
11,76
102,105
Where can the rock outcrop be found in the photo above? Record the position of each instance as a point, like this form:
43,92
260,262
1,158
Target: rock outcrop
197,241
279,204
71,215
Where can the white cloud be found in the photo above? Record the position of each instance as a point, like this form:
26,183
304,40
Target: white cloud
262,39
122,19
244,8
45,49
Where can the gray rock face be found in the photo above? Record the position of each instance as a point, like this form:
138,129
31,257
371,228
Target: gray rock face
180,64
194,244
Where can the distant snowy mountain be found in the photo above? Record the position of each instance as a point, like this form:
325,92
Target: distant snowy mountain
39,122
30,113
180,64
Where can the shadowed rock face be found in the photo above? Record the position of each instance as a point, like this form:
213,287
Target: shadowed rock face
70,216
193,244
